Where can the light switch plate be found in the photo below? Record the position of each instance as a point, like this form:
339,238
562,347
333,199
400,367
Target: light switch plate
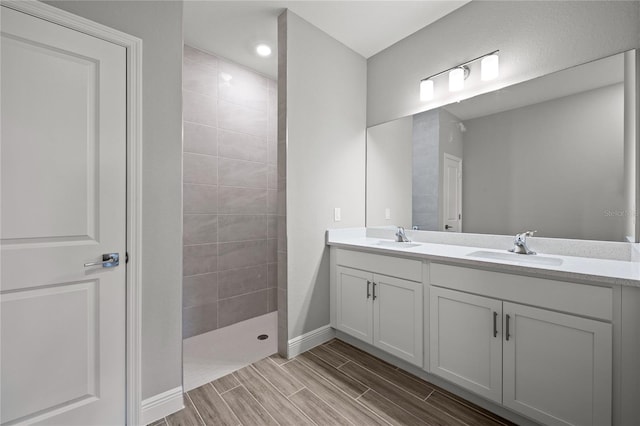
387,213
337,216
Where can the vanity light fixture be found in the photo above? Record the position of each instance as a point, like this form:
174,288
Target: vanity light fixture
456,78
426,90
490,69
263,50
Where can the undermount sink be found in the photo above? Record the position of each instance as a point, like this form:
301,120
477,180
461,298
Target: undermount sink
397,244
518,258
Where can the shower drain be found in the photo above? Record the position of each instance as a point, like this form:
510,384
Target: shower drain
263,337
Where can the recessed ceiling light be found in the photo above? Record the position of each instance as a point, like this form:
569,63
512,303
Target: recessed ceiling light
263,50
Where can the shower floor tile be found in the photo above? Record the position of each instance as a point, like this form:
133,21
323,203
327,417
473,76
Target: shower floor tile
209,356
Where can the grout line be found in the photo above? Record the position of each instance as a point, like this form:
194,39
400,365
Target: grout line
308,365
299,390
427,397
467,404
196,409
222,393
343,364
266,411
327,403
225,402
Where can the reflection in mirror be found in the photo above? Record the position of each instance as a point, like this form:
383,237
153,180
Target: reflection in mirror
553,154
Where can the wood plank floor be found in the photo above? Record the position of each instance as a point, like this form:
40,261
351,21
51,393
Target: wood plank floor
333,384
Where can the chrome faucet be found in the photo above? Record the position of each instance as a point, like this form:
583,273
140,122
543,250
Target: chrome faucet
520,243
401,237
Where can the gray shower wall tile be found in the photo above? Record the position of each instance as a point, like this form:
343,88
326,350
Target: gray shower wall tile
201,57
272,226
199,259
200,199
242,200
199,290
199,168
272,275
242,254
272,177
242,173
243,91
199,319
242,146
200,229
199,108
200,139
242,119
272,299
230,174
272,201
199,78
272,151
236,282
272,250
242,227
240,308
244,77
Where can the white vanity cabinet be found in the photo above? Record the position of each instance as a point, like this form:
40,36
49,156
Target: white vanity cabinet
379,300
550,366
466,341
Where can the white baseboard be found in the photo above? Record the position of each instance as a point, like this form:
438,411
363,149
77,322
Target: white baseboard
161,405
316,337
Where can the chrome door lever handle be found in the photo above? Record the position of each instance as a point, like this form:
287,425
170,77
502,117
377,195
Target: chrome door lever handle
109,260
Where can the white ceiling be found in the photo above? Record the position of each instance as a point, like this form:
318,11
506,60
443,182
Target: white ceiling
231,29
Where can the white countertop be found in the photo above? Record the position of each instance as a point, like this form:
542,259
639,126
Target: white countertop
573,268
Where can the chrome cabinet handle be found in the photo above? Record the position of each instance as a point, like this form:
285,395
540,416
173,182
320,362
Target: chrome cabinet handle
507,335
368,292
109,260
374,291
495,324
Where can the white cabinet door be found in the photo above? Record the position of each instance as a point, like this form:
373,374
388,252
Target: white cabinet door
63,204
354,300
466,341
397,317
557,367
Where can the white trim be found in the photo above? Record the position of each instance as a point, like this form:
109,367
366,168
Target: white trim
134,179
161,405
309,340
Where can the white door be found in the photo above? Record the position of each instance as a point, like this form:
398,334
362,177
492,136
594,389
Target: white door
63,205
353,303
557,367
452,193
466,341
397,317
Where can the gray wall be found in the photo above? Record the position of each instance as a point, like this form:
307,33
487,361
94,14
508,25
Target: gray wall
159,25
542,167
534,37
325,124
389,148
230,182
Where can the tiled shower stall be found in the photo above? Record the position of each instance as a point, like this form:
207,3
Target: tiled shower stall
230,193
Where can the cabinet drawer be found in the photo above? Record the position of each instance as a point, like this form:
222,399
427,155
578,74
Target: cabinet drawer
408,269
580,299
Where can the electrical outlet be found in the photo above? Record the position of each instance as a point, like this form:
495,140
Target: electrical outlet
387,213
337,216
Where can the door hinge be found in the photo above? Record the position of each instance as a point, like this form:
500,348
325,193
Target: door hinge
459,217
126,257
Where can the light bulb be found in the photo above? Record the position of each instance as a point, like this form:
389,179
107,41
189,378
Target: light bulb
263,50
426,90
456,79
490,67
